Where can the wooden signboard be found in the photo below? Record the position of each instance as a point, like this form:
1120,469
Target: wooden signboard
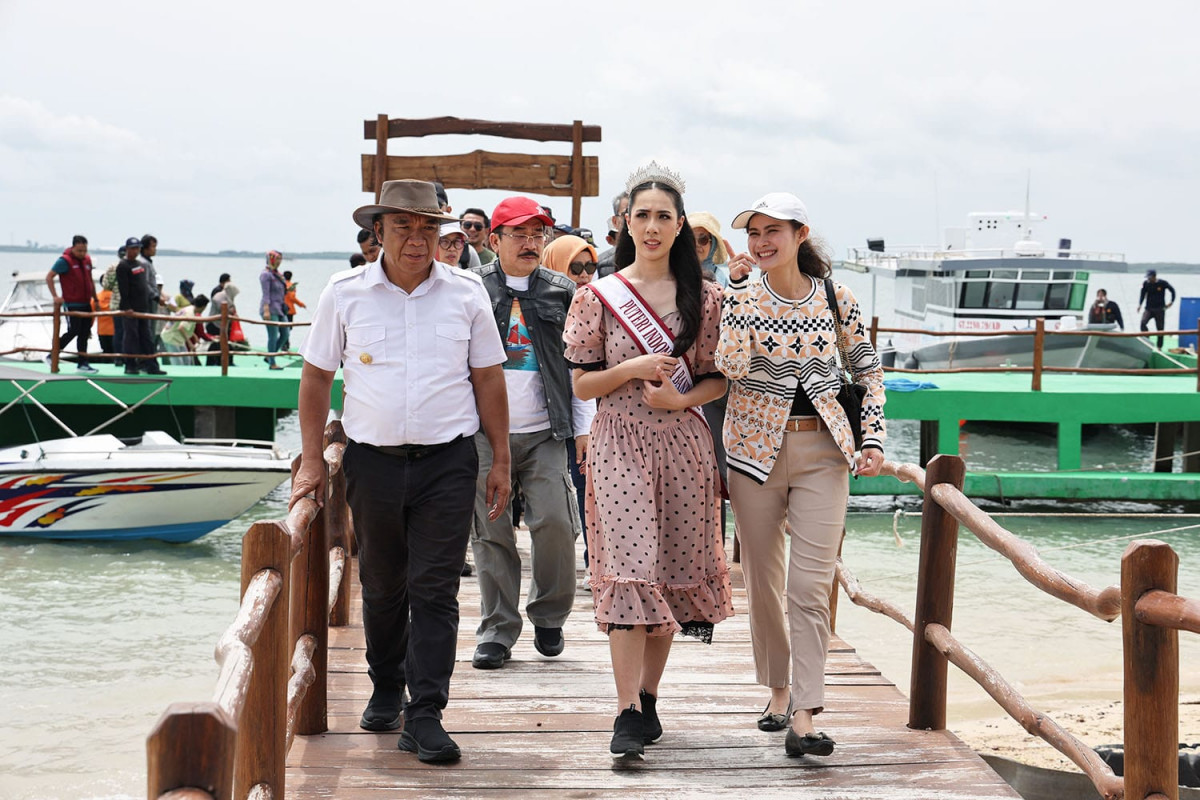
574,175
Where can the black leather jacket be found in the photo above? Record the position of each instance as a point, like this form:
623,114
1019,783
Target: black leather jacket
545,307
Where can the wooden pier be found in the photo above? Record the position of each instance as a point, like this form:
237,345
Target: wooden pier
540,727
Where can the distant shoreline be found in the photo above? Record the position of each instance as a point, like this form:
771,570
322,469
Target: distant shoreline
256,254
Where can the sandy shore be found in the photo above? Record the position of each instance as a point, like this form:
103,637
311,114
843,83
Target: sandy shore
1095,724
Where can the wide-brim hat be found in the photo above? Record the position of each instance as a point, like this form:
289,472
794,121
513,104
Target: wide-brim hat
705,220
401,197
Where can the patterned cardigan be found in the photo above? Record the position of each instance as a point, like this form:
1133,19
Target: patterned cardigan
768,346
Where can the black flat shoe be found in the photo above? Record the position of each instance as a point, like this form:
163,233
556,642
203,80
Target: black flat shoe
629,736
490,655
775,722
652,728
548,641
385,710
428,739
810,744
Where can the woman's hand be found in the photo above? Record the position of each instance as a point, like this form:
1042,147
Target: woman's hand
740,266
661,393
869,462
650,366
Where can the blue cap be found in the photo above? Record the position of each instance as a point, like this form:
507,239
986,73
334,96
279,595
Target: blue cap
133,241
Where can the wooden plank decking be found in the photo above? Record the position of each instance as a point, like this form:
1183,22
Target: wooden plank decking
539,728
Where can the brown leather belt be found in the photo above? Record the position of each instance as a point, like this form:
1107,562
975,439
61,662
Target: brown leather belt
795,424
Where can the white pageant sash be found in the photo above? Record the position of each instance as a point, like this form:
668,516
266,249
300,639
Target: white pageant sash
648,332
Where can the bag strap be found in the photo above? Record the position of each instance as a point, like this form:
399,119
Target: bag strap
846,366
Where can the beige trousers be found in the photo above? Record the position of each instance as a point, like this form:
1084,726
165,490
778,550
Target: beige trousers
795,518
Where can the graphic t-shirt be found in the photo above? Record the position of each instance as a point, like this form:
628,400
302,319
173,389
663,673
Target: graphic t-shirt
527,412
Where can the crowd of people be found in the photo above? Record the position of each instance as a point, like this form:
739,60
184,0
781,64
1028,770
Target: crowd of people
490,355
132,283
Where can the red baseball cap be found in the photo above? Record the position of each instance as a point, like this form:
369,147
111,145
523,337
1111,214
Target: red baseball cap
517,211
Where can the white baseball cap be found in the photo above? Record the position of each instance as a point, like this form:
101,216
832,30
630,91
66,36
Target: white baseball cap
451,229
777,205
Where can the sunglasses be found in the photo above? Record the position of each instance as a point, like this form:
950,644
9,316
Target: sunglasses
578,267
451,243
472,226
703,239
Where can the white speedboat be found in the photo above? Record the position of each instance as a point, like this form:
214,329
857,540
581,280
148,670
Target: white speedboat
28,293
993,276
102,487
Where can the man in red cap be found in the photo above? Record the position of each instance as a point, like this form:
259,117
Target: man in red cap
530,304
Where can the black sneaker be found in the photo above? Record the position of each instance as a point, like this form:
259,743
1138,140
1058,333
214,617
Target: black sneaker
653,728
428,739
548,641
629,736
385,710
491,655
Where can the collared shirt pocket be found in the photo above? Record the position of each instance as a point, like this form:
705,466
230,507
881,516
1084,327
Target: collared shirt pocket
453,341
366,344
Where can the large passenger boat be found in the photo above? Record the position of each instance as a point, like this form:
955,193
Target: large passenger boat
992,276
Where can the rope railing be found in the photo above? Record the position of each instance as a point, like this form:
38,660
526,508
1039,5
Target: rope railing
1150,610
273,658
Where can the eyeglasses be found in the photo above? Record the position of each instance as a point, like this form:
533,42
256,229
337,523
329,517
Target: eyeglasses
703,239
469,225
451,243
578,267
527,239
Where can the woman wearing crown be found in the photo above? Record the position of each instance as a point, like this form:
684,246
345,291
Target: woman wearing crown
641,341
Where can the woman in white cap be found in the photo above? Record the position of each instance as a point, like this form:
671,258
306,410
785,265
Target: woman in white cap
791,449
641,341
451,242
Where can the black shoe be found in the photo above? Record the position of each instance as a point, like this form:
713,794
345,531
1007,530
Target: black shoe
810,744
428,739
775,722
653,728
548,641
466,569
385,710
133,371
491,655
629,736
156,371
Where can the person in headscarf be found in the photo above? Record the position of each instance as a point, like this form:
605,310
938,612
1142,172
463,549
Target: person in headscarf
184,299
710,247
572,256
575,258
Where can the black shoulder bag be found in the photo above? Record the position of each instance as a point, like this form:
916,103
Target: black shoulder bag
850,395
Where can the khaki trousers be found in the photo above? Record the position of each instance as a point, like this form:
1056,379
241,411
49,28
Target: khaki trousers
795,518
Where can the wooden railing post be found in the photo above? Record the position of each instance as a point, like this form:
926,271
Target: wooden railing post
935,596
576,171
54,353
1039,352
224,339
261,756
191,745
874,332
337,524
1151,675
310,615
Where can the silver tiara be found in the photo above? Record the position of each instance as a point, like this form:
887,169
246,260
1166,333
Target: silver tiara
655,173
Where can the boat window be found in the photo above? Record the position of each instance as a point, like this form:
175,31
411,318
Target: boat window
979,273
1078,296
1031,295
1035,276
1063,276
1009,274
973,294
1058,295
1001,295
918,298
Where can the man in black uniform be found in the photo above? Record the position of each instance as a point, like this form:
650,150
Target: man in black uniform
136,292
1105,311
1153,296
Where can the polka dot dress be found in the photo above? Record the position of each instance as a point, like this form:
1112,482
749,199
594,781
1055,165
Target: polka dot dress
653,523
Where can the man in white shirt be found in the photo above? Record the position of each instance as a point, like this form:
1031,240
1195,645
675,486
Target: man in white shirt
421,361
530,304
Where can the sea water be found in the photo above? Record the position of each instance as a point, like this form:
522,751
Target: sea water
96,640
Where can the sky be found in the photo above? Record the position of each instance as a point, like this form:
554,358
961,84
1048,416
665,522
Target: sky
239,125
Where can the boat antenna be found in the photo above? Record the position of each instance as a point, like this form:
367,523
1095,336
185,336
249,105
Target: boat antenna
1028,180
